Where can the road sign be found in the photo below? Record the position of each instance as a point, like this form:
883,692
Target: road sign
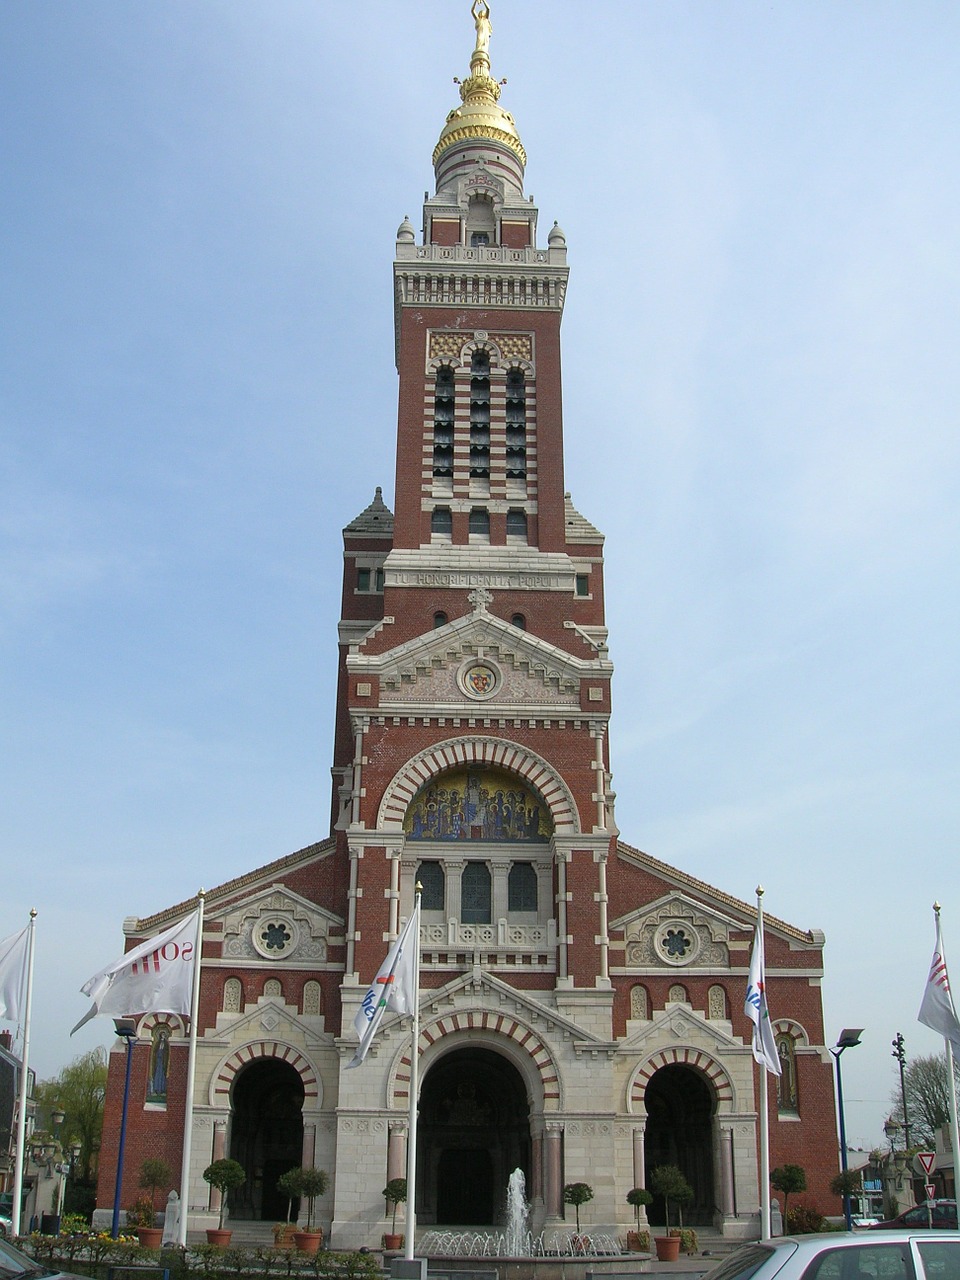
925,1160
931,1190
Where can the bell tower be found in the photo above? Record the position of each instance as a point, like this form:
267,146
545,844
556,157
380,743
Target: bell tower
475,682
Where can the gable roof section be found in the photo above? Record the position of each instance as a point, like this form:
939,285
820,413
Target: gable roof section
745,913
216,899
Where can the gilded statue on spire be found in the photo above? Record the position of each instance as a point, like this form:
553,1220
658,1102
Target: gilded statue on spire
481,18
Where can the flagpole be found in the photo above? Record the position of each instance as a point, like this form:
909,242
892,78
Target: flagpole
411,1223
764,1117
16,1209
191,1073
951,1075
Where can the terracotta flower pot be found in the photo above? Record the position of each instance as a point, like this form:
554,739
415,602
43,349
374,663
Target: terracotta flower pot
308,1242
393,1243
668,1248
221,1238
150,1237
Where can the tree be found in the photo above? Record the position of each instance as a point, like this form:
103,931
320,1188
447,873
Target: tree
928,1098
846,1183
577,1193
79,1091
788,1178
308,1184
668,1181
395,1192
154,1175
225,1175
639,1197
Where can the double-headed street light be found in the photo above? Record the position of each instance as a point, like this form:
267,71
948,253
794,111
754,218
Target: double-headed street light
849,1037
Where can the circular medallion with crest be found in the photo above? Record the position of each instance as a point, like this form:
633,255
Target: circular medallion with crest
479,679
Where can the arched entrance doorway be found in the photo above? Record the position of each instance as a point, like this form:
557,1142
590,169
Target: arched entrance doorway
680,1106
474,1131
266,1136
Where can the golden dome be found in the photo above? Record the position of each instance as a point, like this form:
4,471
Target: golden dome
480,116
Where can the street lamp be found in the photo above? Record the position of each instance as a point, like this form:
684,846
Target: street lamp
890,1130
849,1037
126,1028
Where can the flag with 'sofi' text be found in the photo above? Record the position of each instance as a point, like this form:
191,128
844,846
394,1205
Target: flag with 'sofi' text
937,1009
155,977
13,974
394,987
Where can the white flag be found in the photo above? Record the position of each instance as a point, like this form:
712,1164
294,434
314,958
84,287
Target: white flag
394,987
936,1008
755,1007
13,974
156,977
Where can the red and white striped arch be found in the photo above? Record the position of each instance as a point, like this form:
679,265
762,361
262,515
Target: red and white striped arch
474,1028
222,1083
703,1063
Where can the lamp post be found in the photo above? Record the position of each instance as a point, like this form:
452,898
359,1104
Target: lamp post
849,1037
900,1053
57,1117
126,1028
890,1130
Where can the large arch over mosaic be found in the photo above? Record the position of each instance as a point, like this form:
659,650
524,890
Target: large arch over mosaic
512,767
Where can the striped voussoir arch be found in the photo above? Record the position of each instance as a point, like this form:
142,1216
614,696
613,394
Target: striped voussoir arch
491,1024
224,1075
696,1058
460,752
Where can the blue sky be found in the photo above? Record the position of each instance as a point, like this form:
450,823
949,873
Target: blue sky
761,378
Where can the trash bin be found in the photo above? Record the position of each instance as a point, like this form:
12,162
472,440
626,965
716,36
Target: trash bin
50,1224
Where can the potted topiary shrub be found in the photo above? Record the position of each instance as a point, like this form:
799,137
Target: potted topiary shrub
668,1181
578,1193
224,1175
638,1241
307,1184
395,1192
154,1176
283,1232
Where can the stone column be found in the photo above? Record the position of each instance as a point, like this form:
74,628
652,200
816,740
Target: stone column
728,1199
536,1169
309,1147
219,1152
553,1190
397,1151
639,1169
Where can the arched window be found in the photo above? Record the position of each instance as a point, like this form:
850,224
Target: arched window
639,1003
232,996
480,524
519,621
159,1065
716,1004
272,987
439,619
677,994
516,525
312,998
443,422
475,894
522,887
430,875
787,1092
441,523
516,425
480,415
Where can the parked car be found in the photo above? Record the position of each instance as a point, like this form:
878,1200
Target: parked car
941,1215
897,1255
15,1265
6,1226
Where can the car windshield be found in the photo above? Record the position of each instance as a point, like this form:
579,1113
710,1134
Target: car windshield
15,1263
747,1261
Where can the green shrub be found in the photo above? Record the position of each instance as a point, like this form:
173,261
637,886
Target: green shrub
803,1220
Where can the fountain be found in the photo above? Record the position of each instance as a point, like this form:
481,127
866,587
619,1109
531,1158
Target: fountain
517,1241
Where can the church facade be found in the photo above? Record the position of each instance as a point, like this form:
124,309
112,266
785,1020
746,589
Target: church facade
581,1001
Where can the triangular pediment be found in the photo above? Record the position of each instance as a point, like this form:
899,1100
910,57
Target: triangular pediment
675,932
682,1025
520,669
481,988
277,924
